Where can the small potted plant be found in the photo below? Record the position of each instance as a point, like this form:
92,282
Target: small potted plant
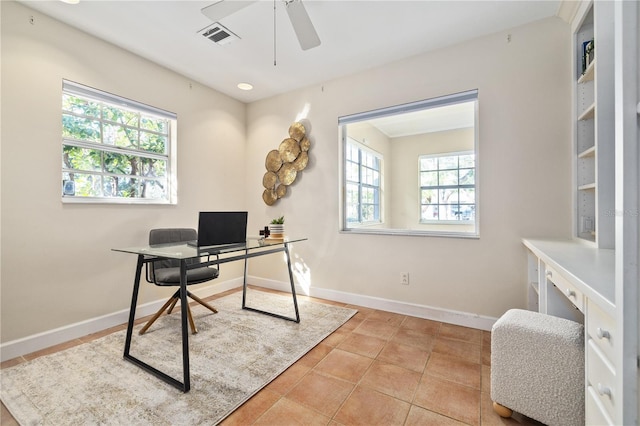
276,228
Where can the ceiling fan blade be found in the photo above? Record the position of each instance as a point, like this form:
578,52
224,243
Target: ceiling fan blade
302,24
221,9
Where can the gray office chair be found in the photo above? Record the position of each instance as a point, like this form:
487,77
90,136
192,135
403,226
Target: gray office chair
166,273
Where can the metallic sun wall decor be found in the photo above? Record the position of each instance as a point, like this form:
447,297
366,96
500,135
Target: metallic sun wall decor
284,163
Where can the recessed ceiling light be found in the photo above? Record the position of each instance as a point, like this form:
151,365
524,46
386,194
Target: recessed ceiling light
245,86
70,1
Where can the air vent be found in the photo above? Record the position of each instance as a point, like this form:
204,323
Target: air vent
218,34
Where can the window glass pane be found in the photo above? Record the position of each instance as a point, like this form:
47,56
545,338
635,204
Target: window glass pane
353,172
445,163
121,116
352,195
428,163
109,186
86,185
466,212
376,178
368,213
429,196
367,159
80,106
468,195
84,129
126,187
77,158
367,195
449,196
467,161
154,189
151,167
429,212
158,125
376,163
429,179
352,153
447,212
153,142
121,163
467,176
448,177
120,136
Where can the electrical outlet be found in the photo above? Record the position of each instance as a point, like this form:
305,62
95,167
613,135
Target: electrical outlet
404,278
586,224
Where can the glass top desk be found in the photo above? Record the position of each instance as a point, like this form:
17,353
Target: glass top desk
208,256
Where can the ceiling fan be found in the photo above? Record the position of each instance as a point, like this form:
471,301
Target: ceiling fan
298,16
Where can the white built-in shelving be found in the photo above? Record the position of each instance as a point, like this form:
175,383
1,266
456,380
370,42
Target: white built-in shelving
593,128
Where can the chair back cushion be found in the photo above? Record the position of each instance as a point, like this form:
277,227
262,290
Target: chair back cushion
168,236
167,271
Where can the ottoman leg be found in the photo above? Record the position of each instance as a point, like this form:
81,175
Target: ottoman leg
501,410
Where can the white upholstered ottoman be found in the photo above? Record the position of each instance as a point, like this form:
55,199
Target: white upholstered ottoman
537,367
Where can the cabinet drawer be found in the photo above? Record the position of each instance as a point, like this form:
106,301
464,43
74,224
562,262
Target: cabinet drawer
595,414
602,329
601,376
568,289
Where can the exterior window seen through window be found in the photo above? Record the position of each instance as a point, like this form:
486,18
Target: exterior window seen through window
363,181
447,188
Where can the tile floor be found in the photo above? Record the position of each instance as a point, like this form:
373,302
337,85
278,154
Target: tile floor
379,368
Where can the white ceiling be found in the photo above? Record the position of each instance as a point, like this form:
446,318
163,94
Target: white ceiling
355,35
429,120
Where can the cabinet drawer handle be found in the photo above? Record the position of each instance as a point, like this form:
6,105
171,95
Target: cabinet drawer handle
604,390
570,293
602,334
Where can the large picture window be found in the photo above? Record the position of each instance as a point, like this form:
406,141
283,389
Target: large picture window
363,180
115,150
447,188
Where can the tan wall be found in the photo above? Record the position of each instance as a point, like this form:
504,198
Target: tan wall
57,266
524,178
405,202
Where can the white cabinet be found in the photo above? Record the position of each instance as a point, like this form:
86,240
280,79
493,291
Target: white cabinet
576,281
600,365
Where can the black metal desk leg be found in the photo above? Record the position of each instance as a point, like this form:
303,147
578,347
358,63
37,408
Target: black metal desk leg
293,286
134,303
244,282
185,332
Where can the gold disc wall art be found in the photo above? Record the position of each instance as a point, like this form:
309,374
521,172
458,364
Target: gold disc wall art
284,164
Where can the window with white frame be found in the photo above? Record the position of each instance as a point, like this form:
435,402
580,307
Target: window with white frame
115,150
448,188
429,152
363,177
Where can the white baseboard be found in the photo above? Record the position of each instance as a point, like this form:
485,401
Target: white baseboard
465,319
36,342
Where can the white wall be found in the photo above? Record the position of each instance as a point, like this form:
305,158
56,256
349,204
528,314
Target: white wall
57,266
524,174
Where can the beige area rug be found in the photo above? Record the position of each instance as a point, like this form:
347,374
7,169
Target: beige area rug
234,355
